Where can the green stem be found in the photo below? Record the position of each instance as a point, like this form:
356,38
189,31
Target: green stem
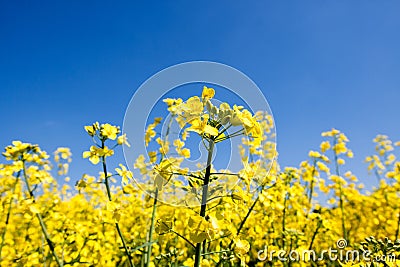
204,254
184,238
245,219
261,188
284,212
153,215
106,182
238,133
216,252
284,221
224,130
319,224
42,225
341,202
398,226
204,199
3,235
310,195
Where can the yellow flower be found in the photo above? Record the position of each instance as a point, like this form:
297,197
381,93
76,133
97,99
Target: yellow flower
173,104
185,153
322,167
123,140
109,131
165,168
350,153
241,247
188,262
106,152
34,208
205,263
331,133
341,161
245,118
93,155
325,146
115,209
92,129
124,173
152,156
129,189
62,153
192,108
314,154
96,153
248,172
81,183
207,93
197,226
150,132
178,143
340,148
164,224
19,149
200,126
202,229
140,164
164,146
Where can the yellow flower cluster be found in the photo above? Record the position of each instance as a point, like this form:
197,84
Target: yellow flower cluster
103,132
210,121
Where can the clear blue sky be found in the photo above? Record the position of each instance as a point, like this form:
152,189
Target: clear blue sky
321,64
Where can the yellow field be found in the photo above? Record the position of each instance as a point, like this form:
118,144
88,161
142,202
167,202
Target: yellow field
257,212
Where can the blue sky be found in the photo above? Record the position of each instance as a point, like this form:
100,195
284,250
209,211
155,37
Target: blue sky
321,64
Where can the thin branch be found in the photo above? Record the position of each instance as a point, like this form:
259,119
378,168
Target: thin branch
106,182
204,197
42,225
9,213
184,238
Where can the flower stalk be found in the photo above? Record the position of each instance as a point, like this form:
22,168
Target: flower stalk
204,198
39,216
3,235
107,184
